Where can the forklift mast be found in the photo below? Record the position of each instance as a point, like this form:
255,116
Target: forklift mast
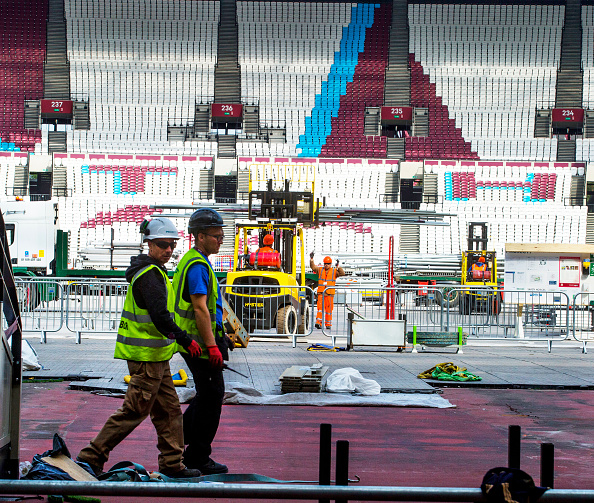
477,236
278,204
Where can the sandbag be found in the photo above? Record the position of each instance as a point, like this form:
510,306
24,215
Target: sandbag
349,380
30,360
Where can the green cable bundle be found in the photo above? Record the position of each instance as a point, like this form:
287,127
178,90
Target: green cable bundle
449,372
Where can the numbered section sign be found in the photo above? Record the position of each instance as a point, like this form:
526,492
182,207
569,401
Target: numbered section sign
567,114
226,110
397,113
56,106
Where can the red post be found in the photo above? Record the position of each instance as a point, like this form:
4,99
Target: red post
391,294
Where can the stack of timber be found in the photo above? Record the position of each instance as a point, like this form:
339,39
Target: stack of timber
303,379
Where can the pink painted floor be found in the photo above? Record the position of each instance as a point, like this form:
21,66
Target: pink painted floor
388,446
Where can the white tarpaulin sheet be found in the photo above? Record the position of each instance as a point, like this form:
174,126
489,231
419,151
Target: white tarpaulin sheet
239,393
348,379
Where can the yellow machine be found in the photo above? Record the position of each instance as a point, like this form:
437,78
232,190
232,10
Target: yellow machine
255,286
479,269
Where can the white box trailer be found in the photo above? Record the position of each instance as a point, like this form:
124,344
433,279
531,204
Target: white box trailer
31,230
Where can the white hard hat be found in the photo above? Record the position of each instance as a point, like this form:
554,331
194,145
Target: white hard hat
158,228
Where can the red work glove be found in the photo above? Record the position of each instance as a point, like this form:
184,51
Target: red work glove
194,349
215,357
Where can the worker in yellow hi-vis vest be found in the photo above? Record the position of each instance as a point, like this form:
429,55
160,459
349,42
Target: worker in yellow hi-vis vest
326,280
147,339
199,311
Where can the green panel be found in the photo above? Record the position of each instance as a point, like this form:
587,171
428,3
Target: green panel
61,253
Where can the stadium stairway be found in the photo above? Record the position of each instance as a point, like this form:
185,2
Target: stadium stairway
56,77
397,82
570,76
590,229
56,70
227,82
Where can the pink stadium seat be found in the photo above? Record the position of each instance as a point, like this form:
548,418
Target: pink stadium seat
22,39
366,90
445,139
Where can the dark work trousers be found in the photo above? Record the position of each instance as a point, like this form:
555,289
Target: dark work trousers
201,418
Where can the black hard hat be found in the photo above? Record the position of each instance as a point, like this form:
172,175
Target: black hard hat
204,218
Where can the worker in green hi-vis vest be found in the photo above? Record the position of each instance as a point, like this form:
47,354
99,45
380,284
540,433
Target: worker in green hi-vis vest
199,311
148,338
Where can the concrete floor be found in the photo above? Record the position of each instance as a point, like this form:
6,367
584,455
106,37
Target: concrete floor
388,446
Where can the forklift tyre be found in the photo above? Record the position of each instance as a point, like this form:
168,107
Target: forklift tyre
449,297
304,326
286,320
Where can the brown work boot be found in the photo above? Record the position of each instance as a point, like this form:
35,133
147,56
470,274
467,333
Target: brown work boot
97,470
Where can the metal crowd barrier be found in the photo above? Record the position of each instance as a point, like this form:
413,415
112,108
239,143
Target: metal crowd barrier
272,491
491,313
484,313
41,304
94,306
272,310
583,318
371,302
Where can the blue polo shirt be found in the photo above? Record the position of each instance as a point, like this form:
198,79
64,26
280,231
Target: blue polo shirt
198,285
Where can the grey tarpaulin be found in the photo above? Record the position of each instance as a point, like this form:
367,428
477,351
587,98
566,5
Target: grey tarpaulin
239,393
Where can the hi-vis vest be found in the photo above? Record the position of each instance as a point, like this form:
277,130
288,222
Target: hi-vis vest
326,279
138,339
183,311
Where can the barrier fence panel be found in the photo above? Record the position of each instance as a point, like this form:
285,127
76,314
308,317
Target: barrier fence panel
41,303
583,316
421,307
491,313
272,310
482,312
94,307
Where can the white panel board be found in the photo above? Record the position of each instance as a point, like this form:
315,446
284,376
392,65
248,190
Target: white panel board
378,333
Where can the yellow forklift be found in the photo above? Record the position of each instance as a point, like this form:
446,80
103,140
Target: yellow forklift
255,286
479,269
